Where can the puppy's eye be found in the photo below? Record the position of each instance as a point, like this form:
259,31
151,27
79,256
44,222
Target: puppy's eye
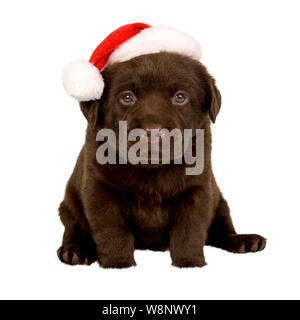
127,98
179,98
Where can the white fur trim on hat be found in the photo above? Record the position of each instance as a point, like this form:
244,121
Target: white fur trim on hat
83,81
154,40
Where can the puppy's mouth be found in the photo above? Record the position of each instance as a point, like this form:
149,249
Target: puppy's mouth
151,148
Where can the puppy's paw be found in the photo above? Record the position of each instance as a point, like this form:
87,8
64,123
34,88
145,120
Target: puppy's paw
244,243
117,263
73,254
188,263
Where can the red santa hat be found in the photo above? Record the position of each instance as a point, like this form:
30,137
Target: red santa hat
83,80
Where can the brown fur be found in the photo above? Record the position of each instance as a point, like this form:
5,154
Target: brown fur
111,210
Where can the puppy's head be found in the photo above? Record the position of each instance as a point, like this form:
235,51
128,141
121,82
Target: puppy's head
155,91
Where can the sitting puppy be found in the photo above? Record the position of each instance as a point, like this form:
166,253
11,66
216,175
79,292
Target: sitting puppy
153,80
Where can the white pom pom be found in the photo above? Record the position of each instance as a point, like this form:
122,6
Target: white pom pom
83,81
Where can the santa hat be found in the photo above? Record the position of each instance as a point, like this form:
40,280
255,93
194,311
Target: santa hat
83,80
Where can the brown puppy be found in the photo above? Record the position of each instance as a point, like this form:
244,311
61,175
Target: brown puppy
110,210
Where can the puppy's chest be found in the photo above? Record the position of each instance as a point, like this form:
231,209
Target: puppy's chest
148,213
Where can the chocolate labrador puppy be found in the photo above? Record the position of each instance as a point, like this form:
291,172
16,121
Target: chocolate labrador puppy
109,210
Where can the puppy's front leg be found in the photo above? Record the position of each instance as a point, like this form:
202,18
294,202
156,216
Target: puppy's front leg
189,229
113,239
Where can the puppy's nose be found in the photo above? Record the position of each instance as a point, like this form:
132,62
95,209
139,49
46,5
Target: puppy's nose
152,126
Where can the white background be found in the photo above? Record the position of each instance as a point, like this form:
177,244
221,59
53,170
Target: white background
250,47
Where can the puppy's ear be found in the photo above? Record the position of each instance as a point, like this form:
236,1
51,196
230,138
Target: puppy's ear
213,99
90,110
